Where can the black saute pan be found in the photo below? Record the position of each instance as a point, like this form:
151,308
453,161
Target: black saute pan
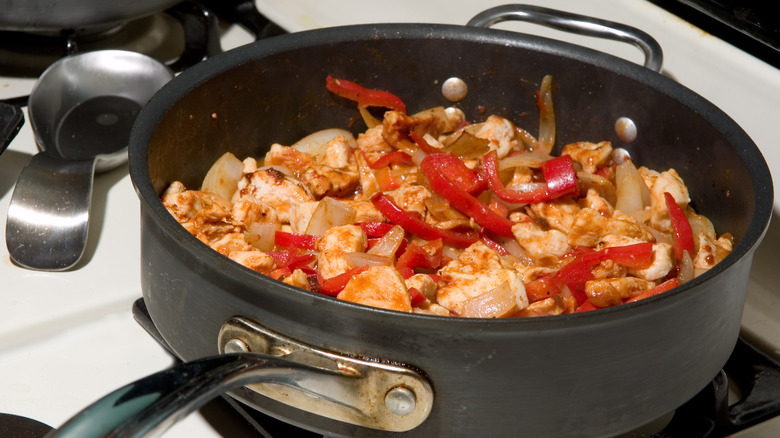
346,370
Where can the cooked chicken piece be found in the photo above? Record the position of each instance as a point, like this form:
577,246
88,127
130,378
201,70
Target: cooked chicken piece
658,183
335,244
298,279
338,153
250,165
590,227
555,305
365,211
477,270
326,181
288,157
594,201
372,143
410,198
663,262
274,189
368,182
428,308
531,273
248,211
712,251
600,187
539,243
204,215
500,133
230,243
558,214
396,125
423,283
255,260
612,291
589,155
378,286
608,269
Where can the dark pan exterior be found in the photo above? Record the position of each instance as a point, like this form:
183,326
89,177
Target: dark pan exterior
593,374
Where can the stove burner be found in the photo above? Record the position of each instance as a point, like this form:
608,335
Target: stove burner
710,414
181,37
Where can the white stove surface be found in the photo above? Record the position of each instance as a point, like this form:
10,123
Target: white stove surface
68,338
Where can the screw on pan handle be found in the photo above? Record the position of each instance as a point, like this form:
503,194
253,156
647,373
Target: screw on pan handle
574,23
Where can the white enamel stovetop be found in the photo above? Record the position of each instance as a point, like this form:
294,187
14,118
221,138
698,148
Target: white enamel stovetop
68,338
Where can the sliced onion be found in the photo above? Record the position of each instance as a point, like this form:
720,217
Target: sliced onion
360,259
369,118
632,192
261,235
687,271
494,303
222,178
389,243
330,213
316,143
526,159
466,145
546,117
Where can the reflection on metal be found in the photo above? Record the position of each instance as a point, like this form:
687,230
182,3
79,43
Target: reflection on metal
372,394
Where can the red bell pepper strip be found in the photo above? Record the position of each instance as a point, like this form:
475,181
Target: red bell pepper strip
587,306
332,286
397,157
416,226
386,180
292,258
682,233
578,271
375,229
365,97
542,288
292,240
422,143
490,166
560,177
456,171
416,296
462,200
663,287
638,255
417,256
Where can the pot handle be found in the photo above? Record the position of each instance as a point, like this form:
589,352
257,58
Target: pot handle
579,24
368,393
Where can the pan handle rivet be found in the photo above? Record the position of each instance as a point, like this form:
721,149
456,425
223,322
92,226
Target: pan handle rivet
454,89
236,346
400,401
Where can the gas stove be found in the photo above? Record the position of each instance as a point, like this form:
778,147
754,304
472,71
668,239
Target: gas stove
67,338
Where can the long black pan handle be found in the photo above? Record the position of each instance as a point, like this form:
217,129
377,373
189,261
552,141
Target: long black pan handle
151,405
574,23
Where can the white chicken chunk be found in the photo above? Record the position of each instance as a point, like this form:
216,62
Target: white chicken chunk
335,244
500,133
539,243
477,270
589,155
378,286
590,227
558,214
274,189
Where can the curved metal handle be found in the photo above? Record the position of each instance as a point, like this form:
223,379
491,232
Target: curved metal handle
579,24
367,393
151,405
48,216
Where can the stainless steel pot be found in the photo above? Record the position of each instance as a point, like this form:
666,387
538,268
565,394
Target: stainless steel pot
343,369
